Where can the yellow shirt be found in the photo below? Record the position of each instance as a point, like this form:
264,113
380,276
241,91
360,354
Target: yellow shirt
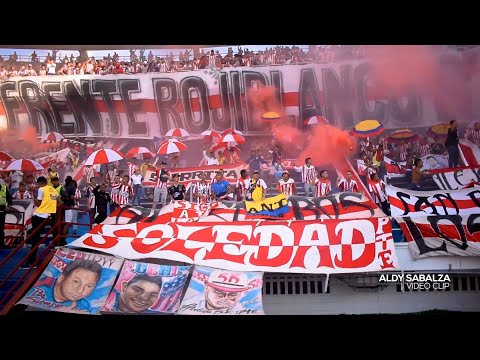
49,201
143,169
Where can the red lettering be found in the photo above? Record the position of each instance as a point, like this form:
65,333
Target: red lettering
106,241
347,262
386,257
218,252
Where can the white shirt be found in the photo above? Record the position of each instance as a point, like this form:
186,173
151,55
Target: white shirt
15,178
209,160
137,179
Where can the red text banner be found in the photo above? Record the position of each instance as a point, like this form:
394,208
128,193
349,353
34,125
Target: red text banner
330,246
439,202
442,235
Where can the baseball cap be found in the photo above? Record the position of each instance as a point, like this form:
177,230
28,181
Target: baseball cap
256,172
228,281
164,163
285,172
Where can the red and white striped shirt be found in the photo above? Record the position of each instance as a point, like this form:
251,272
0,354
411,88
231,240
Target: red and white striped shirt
424,150
131,170
22,195
377,189
286,187
161,184
114,191
124,193
90,197
242,186
76,197
88,173
348,185
308,173
323,187
203,190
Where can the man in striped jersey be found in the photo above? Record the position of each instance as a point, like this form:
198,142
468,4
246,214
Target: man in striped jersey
286,185
308,176
76,203
160,191
91,197
474,134
202,189
22,193
323,186
376,186
125,191
347,184
114,188
243,184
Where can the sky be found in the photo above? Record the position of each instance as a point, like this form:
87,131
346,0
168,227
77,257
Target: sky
99,54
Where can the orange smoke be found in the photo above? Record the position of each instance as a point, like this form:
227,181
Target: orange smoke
32,144
325,144
264,100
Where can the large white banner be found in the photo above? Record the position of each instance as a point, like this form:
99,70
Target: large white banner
457,179
438,202
328,246
145,105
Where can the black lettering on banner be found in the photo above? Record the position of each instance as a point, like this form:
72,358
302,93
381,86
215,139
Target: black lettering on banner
264,207
185,176
472,225
476,172
237,101
347,203
249,78
339,95
107,88
58,107
196,174
10,103
196,84
455,220
276,79
232,174
472,196
308,90
37,106
365,111
333,200
166,105
456,175
127,86
297,210
447,183
446,196
83,106
225,120
419,240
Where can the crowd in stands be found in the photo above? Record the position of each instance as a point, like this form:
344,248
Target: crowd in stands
184,61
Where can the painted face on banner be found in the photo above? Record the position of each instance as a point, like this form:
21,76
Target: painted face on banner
138,296
221,300
76,285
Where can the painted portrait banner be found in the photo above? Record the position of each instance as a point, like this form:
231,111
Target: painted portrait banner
412,203
74,282
442,235
223,292
328,246
144,288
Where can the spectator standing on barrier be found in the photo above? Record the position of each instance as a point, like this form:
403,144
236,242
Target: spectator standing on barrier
5,203
176,190
286,185
160,191
376,187
451,143
76,203
417,175
210,159
308,176
102,199
51,67
46,202
137,179
323,186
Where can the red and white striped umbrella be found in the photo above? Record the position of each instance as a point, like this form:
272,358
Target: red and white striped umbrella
104,156
25,165
210,135
139,152
223,145
177,132
226,149
232,131
171,146
232,138
4,156
52,137
315,120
